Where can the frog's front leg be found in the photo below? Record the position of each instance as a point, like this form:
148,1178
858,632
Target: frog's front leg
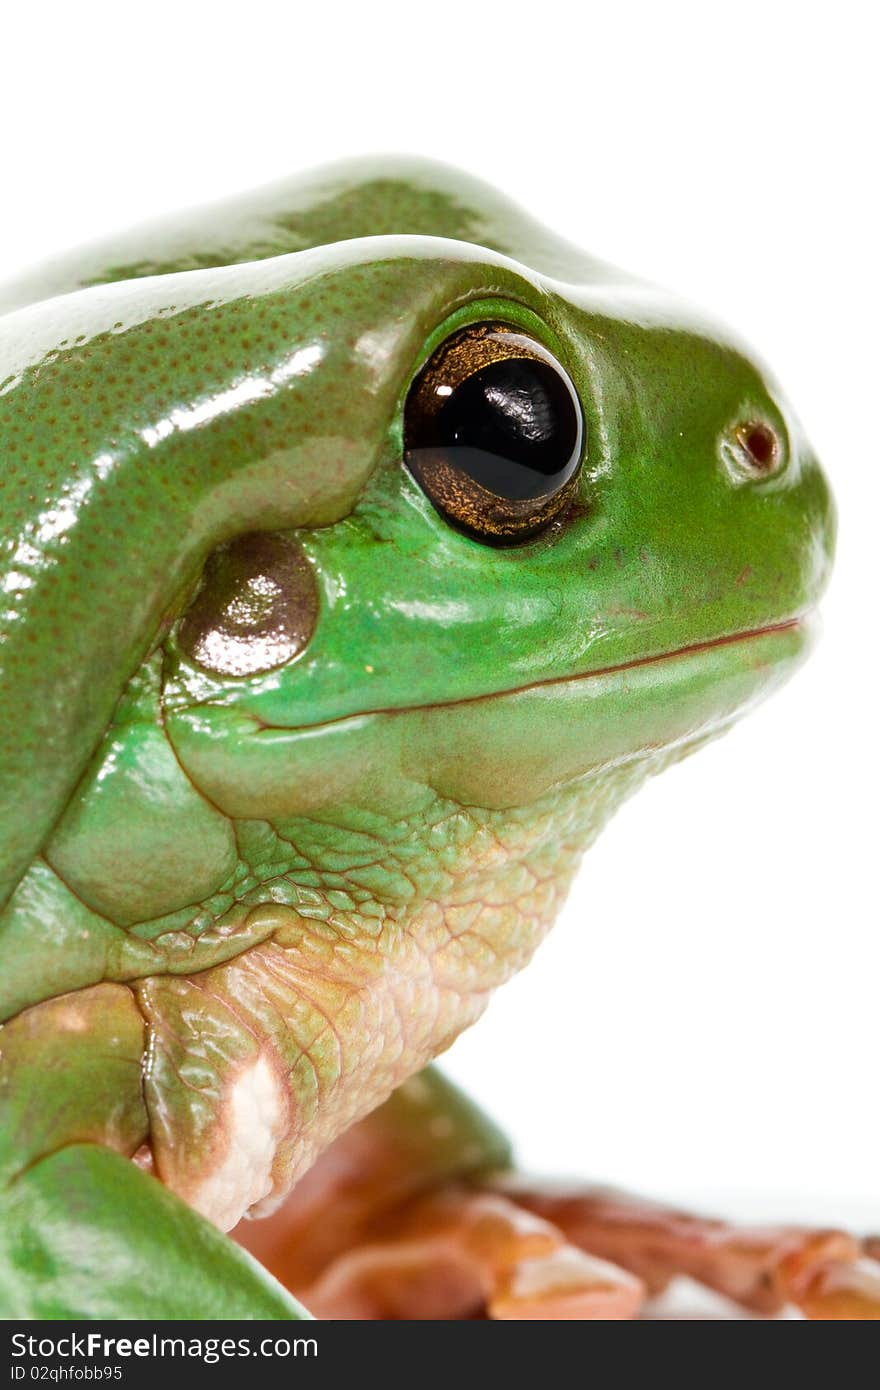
85,1233
416,1212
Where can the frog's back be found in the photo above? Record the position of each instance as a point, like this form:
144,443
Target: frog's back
396,196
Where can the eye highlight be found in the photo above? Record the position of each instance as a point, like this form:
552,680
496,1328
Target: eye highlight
256,608
493,433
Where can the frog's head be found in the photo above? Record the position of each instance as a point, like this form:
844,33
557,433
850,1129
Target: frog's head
387,514
487,516
594,529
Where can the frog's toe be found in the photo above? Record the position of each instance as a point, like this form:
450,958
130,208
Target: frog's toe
466,1254
823,1274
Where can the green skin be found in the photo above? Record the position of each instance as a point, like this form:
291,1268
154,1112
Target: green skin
316,876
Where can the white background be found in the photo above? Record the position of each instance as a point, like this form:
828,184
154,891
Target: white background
703,1023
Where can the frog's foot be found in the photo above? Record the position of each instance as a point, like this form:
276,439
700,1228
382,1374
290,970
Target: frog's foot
390,1224
415,1213
464,1254
825,1274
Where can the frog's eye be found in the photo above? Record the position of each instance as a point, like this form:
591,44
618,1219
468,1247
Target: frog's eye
493,432
255,609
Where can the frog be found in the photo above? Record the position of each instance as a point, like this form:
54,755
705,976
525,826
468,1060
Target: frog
365,546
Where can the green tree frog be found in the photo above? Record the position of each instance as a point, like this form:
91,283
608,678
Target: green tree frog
364,545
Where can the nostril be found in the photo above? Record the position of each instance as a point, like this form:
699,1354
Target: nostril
751,450
761,445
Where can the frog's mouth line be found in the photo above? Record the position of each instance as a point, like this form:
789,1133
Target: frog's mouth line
792,625
695,648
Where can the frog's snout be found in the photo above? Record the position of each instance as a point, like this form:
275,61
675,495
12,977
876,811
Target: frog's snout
783,517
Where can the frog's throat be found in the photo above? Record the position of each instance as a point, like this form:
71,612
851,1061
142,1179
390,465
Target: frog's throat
255,1066
236,1077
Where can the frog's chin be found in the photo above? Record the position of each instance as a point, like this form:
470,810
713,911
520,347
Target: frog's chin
508,749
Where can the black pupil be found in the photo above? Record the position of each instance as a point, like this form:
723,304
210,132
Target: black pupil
512,427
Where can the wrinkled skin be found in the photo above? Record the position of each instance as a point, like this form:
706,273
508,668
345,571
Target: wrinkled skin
241,910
